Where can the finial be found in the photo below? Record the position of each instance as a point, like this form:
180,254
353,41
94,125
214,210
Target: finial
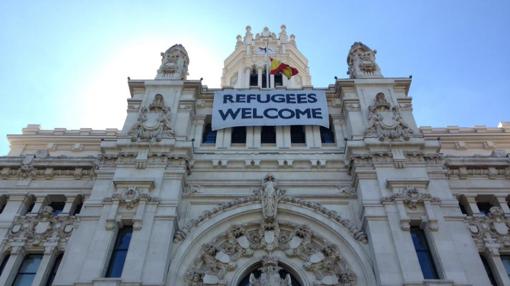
248,29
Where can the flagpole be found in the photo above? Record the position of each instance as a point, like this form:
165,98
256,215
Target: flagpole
268,83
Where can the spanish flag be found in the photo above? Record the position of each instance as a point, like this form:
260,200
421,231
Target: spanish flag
279,67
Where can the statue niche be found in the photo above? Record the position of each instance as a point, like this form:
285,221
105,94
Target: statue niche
361,61
174,63
153,123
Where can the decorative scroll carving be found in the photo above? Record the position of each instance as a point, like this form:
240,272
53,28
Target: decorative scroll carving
385,122
35,231
361,61
174,63
490,232
153,123
319,257
130,196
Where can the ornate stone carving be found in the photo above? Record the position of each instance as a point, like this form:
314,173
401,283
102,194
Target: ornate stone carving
130,196
385,122
361,61
411,197
319,257
490,232
270,275
35,231
153,123
174,63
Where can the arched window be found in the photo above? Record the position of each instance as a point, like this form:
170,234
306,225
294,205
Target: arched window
254,78
259,269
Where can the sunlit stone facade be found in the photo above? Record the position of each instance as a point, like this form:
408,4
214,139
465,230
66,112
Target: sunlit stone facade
373,200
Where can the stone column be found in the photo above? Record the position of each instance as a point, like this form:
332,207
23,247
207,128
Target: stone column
46,265
39,203
69,205
12,265
472,205
503,204
199,130
259,77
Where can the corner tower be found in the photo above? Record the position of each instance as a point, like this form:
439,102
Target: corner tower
247,66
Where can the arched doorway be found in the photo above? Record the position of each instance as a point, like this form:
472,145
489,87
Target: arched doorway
269,271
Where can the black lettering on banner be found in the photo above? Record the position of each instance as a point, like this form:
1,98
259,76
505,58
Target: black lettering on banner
290,112
227,97
278,98
291,98
317,113
240,98
251,97
267,99
301,98
266,113
255,114
246,113
228,113
303,112
312,98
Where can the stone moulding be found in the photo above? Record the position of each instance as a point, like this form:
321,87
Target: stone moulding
357,233
29,167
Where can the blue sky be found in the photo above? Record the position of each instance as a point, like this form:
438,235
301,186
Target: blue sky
66,63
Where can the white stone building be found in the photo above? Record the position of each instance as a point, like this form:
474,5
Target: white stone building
373,200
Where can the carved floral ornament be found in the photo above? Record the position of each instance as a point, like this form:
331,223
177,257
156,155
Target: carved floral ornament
385,121
153,123
411,197
40,230
492,232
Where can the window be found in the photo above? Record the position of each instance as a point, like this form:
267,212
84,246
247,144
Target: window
297,134
254,78
506,263
54,270
27,271
462,208
484,207
264,78
239,135
421,246
30,206
119,252
4,262
209,136
278,79
327,135
77,208
488,270
57,207
268,135
3,202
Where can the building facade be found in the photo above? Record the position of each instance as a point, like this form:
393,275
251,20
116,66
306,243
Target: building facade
371,200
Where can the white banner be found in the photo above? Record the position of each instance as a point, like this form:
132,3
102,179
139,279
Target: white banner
239,107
